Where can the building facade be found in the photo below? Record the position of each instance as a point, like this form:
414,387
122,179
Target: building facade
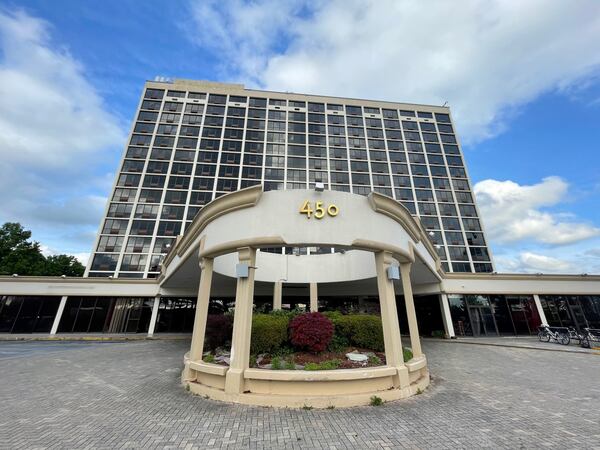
198,150
193,141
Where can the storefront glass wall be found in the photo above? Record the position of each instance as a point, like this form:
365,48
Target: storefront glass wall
27,314
106,315
579,311
493,315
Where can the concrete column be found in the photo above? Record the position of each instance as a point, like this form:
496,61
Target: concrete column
538,305
314,297
389,320
413,328
197,347
59,312
446,317
242,325
277,294
154,316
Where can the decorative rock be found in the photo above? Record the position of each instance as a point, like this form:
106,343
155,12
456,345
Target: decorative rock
357,357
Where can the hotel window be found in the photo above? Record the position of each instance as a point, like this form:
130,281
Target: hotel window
177,197
426,126
150,196
276,115
133,166
172,212
110,244
471,225
464,197
450,223
425,115
112,226
454,238
138,245
133,263
258,102
163,245
413,126
405,194
105,262
200,198
170,118
390,113
316,107
447,209
444,118
142,227
121,210
154,94
169,228
146,211
406,113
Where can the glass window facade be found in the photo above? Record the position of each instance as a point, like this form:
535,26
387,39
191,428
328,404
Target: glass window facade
493,315
27,314
190,148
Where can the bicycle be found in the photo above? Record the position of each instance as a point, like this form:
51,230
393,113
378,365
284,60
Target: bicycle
545,334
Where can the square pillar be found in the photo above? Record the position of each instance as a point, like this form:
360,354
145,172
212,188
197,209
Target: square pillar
277,294
59,313
197,347
540,310
413,329
389,320
314,297
154,316
242,325
447,317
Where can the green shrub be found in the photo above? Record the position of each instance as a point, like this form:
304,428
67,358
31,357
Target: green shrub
269,332
438,334
332,364
375,360
290,364
362,330
338,344
376,401
276,363
407,354
210,358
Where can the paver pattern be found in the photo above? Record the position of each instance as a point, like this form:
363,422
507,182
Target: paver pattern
127,395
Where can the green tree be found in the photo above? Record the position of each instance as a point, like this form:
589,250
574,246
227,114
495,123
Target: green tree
63,265
21,256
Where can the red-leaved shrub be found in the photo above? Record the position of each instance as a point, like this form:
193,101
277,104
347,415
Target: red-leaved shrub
311,331
219,328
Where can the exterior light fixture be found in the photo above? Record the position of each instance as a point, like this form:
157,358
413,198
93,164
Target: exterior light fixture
393,273
319,187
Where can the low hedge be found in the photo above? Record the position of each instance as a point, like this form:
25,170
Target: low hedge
269,332
361,330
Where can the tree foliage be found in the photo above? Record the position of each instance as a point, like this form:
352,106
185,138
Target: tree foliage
19,255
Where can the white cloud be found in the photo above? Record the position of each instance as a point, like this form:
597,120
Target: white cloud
512,212
55,134
487,58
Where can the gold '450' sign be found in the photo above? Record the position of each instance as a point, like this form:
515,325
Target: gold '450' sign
319,211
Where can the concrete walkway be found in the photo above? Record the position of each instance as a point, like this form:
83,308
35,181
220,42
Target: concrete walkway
527,342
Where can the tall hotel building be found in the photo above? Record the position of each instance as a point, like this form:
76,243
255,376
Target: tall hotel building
193,141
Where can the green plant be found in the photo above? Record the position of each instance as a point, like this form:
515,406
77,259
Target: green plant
290,364
307,408
376,401
276,363
331,364
311,331
419,391
375,360
362,330
210,358
187,387
311,366
269,332
407,354
438,334
338,344
331,407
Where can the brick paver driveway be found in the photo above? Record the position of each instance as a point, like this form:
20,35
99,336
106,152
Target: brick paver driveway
127,395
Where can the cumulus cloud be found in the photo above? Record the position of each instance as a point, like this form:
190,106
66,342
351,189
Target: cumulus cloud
486,58
55,132
513,212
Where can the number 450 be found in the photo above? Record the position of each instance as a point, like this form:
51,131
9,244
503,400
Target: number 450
319,211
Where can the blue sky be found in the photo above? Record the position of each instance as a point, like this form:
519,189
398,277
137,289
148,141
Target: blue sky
522,80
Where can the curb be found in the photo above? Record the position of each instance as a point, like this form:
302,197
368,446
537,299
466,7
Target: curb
525,347
93,338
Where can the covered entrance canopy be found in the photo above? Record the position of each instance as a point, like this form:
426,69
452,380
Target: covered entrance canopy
223,240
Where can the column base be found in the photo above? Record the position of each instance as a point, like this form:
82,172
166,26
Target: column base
234,381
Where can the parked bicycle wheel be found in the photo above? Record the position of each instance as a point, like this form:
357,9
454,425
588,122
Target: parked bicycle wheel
543,336
585,342
564,339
